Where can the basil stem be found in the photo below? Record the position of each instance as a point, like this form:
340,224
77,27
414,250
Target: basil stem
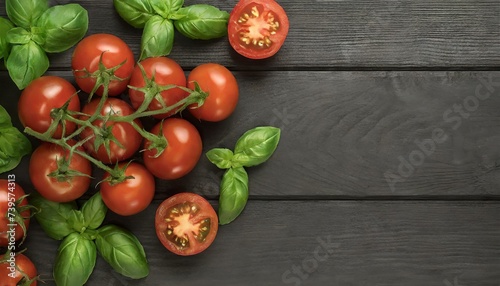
62,26
53,217
26,62
233,194
5,26
94,211
24,13
157,37
123,251
134,12
201,21
256,146
13,144
75,260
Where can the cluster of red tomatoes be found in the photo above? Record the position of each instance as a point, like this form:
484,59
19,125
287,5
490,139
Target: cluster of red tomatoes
107,53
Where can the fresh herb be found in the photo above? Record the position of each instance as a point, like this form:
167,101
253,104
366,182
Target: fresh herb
39,30
253,148
159,17
13,144
83,237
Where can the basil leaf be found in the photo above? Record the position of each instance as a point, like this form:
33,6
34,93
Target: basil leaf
256,146
202,21
18,36
123,251
77,221
233,194
157,37
62,26
23,13
26,62
53,217
75,260
5,26
94,211
221,157
134,12
165,7
13,144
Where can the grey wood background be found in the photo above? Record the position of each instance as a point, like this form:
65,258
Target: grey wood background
389,158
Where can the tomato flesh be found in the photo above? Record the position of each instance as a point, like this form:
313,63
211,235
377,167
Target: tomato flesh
257,29
186,224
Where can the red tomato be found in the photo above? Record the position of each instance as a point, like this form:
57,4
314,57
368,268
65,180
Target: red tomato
222,90
129,139
186,224
166,71
131,196
61,188
24,264
114,52
10,192
257,28
181,154
40,97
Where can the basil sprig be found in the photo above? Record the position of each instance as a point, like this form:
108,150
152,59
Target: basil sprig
159,17
253,148
39,30
83,237
13,144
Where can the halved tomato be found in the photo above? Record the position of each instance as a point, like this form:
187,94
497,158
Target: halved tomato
257,28
186,224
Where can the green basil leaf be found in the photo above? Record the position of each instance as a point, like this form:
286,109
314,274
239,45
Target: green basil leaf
202,21
123,251
24,13
77,221
157,37
233,194
256,146
18,36
13,144
26,63
5,26
62,26
220,157
166,7
94,211
75,260
134,12
53,217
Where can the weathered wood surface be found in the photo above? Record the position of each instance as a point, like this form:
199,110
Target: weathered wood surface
280,242
336,34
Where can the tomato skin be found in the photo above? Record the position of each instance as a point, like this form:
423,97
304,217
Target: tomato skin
44,161
181,154
166,71
131,196
41,96
222,89
262,37
205,211
114,52
17,193
24,264
129,138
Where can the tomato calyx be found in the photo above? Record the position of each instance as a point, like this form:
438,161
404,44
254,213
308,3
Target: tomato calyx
158,142
64,173
103,76
117,174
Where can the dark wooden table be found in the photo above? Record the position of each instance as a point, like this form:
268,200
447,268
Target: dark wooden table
388,170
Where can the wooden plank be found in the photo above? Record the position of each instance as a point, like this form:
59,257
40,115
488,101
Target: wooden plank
355,134
331,34
280,242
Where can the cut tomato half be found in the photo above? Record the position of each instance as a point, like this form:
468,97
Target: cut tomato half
257,28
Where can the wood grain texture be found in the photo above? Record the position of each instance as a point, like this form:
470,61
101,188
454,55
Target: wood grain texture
370,243
355,134
334,34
